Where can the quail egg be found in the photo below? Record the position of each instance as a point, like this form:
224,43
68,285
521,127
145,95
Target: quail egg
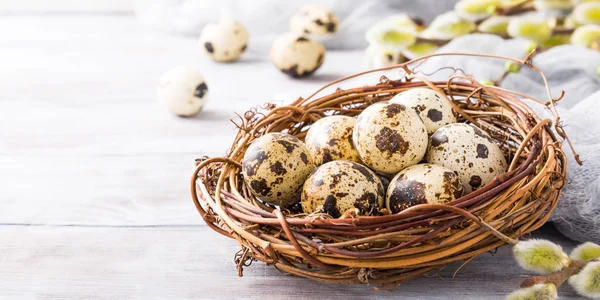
297,55
433,108
224,41
389,137
275,167
314,19
183,91
422,183
378,57
330,138
469,151
340,185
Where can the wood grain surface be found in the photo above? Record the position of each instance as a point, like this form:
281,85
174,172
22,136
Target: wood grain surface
94,173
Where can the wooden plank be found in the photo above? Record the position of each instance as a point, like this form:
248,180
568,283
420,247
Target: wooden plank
50,262
86,190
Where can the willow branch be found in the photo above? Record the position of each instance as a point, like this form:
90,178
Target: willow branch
559,277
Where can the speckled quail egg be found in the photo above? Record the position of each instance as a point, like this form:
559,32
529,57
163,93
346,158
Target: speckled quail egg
389,137
433,108
469,151
275,167
314,19
330,138
297,55
182,90
340,185
422,183
224,41
378,57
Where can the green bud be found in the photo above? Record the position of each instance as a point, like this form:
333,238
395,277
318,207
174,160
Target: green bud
512,67
587,13
588,250
398,37
587,282
529,27
556,40
598,71
487,82
531,46
586,35
540,256
448,26
395,32
420,49
495,25
476,9
540,291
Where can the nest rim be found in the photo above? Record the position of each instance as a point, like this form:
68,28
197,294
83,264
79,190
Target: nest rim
420,239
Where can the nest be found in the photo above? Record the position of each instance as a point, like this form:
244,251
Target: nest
389,249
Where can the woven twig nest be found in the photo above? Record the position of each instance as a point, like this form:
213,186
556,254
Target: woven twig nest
390,249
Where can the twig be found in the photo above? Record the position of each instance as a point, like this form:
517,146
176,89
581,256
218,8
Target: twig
559,277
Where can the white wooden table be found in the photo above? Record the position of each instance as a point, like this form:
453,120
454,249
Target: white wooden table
94,173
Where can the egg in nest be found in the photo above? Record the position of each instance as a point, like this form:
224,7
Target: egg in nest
275,166
433,108
469,151
340,185
330,138
420,184
389,137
